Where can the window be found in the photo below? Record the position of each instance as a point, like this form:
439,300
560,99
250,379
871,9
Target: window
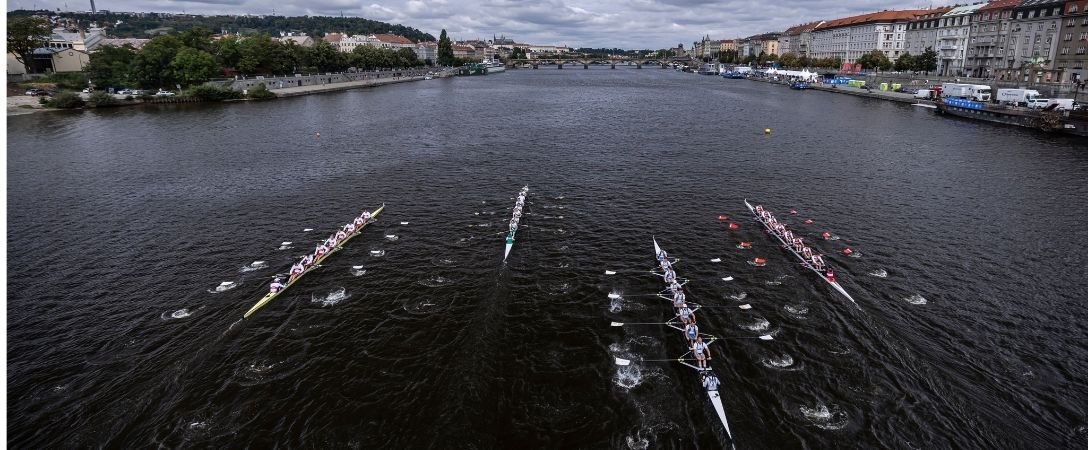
1065,51
1070,22
1083,36
1068,37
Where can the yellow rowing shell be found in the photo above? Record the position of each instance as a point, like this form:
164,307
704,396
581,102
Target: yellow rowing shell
272,295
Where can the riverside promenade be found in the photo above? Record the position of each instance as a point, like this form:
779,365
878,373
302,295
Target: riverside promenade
901,97
342,86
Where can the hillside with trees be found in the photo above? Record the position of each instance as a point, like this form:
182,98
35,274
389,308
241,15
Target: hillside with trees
146,25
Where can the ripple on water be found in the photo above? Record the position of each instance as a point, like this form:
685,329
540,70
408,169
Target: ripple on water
781,362
443,261
435,281
879,273
756,324
174,315
255,265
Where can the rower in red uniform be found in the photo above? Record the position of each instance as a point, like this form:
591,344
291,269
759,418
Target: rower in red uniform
830,274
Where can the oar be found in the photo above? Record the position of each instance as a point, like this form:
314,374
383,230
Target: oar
627,362
765,337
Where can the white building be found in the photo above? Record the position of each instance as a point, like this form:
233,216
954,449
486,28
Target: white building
851,37
953,35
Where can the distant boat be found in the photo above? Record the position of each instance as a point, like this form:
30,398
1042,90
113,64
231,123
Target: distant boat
799,85
494,66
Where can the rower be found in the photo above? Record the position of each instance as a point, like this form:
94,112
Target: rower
340,235
807,252
798,244
759,209
674,286
691,331
307,260
321,250
358,221
670,276
277,285
297,270
701,352
686,314
349,228
710,381
678,299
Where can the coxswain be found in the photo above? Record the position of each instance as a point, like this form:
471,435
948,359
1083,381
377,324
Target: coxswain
710,381
691,331
759,209
830,274
686,314
701,351
277,285
662,256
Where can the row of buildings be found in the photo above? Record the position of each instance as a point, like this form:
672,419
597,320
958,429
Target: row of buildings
1022,40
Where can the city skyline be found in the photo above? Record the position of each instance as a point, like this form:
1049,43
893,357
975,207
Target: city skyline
635,24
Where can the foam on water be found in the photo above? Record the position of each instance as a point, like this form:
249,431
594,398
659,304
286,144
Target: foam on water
879,273
916,299
333,297
824,417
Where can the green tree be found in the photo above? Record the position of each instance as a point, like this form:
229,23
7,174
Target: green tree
228,52
199,38
905,62
26,34
803,61
151,66
445,50
110,65
193,66
324,57
788,60
875,59
407,58
927,61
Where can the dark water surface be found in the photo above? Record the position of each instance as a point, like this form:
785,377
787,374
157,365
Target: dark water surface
122,221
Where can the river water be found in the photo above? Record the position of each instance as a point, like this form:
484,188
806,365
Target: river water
969,330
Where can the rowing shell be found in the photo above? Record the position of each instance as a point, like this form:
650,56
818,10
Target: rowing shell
272,295
714,396
510,234
804,262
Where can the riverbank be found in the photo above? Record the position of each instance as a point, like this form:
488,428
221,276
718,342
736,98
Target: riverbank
901,97
25,104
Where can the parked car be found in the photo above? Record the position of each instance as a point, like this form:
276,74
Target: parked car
35,92
126,92
88,90
164,93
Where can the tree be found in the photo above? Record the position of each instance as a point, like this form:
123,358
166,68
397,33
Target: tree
199,38
151,67
110,65
26,34
445,50
788,60
875,59
193,66
324,57
905,62
927,61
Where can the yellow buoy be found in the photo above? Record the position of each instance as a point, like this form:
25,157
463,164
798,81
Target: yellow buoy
766,131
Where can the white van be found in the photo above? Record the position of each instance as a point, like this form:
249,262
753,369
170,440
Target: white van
1038,102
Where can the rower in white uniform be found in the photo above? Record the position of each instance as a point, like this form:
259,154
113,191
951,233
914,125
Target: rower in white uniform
686,314
701,351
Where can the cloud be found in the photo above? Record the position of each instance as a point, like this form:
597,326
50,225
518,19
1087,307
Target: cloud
632,24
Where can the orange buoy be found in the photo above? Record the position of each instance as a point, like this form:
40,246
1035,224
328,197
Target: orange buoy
745,244
759,262
793,212
734,226
825,235
808,221
846,251
723,217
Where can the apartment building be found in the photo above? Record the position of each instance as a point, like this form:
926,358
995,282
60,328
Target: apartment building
953,35
1072,60
989,38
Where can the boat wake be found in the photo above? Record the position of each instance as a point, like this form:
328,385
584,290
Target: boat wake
333,297
559,288
796,311
879,273
224,287
255,265
759,324
916,300
780,362
286,245
615,303
179,314
777,281
821,416
855,254
421,306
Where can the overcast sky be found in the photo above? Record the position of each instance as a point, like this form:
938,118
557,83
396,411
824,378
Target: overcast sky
629,24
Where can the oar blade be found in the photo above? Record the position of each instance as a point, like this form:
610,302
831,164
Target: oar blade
617,324
766,337
623,362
